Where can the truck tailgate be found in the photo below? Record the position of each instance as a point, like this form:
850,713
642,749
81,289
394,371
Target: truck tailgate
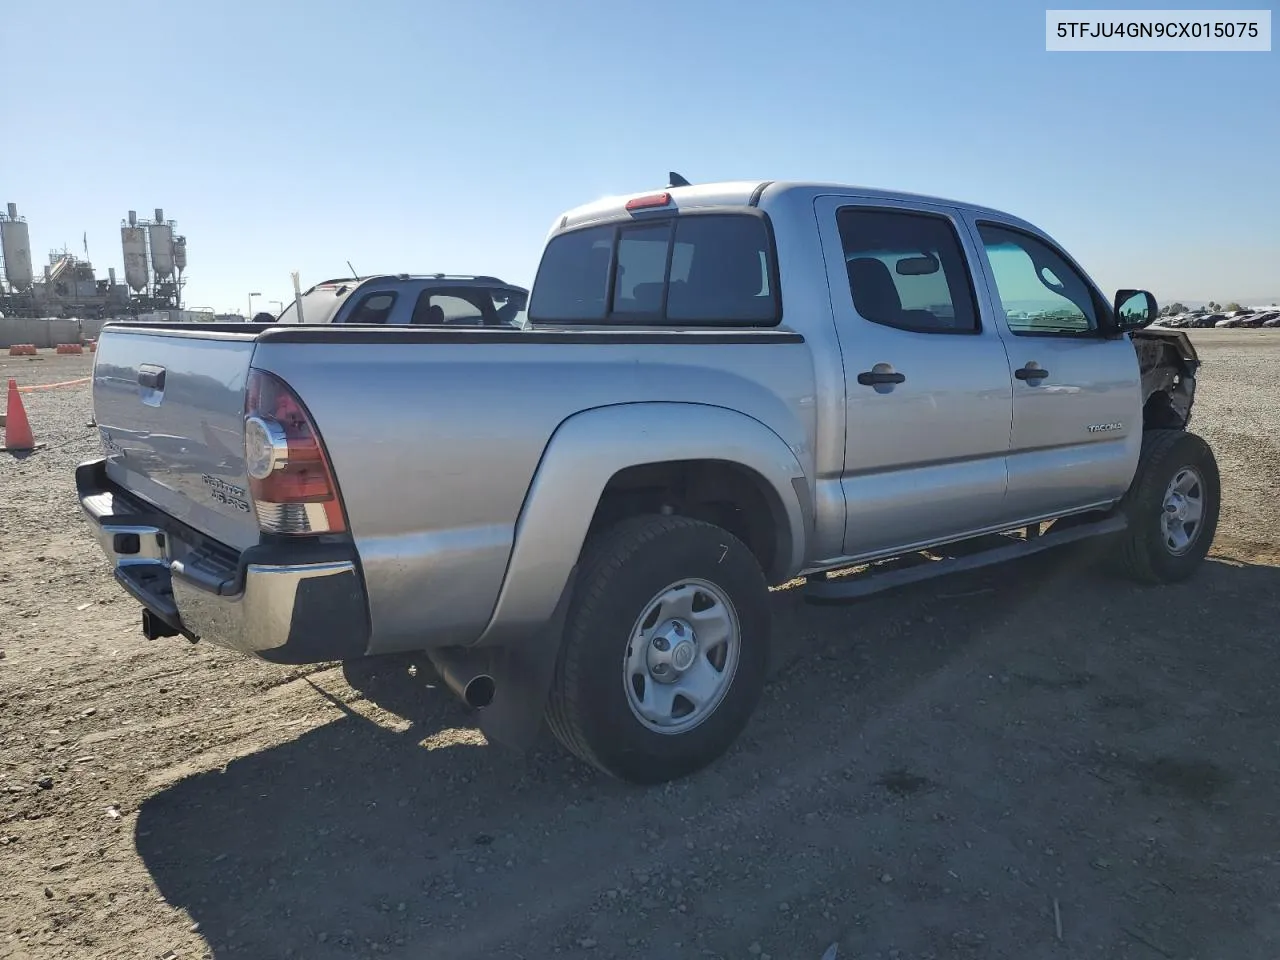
170,407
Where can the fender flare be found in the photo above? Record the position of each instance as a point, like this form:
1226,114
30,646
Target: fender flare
588,449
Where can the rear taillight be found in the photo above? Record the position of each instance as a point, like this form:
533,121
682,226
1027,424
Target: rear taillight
289,473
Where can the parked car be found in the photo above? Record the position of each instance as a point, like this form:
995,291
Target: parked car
432,300
720,388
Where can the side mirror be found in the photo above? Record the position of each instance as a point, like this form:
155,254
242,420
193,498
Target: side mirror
1135,309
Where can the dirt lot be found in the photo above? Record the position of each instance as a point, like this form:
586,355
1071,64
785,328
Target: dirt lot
955,771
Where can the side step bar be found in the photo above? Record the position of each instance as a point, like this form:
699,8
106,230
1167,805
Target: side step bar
865,583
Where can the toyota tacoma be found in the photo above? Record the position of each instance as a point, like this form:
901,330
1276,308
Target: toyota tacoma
719,388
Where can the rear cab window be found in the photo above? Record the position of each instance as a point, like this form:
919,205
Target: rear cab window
319,304
691,269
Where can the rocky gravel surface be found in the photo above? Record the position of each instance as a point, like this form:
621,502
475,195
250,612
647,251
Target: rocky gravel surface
1034,762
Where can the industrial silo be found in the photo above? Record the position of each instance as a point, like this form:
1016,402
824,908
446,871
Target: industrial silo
133,241
161,235
180,253
15,246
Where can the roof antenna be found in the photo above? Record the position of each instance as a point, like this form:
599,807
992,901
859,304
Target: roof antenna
675,180
354,275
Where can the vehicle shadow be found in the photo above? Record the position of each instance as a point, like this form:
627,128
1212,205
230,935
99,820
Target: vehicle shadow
359,840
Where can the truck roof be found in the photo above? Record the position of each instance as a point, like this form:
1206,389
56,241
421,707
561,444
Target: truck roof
459,279
731,193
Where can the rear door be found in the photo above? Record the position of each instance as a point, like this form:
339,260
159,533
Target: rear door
170,409
1077,398
928,394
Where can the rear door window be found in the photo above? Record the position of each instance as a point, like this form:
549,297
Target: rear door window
692,270
906,269
455,309
466,306
372,308
510,306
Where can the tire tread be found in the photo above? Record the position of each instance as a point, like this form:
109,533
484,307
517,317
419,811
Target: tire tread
603,558
1134,557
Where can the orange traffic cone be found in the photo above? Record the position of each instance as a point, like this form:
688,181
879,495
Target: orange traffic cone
17,429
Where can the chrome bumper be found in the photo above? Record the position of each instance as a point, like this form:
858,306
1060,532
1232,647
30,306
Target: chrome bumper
298,603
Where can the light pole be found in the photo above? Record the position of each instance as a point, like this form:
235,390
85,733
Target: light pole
279,304
251,296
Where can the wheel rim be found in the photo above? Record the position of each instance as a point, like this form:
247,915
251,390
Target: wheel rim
681,656
1182,514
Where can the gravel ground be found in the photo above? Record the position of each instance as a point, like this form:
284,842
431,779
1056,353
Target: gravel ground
1033,762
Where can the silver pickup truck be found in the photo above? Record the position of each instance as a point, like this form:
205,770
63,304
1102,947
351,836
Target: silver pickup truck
720,388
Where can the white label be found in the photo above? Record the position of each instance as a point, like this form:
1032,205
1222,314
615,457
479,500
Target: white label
1131,31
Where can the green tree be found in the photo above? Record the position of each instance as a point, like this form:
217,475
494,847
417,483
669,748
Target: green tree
1174,308
1232,307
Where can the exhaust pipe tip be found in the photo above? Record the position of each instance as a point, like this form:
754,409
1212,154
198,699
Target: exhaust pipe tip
466,674
478,692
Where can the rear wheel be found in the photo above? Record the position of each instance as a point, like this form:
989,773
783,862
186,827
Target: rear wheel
665,649
1172,508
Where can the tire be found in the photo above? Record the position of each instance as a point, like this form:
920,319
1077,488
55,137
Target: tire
602,674
1146,552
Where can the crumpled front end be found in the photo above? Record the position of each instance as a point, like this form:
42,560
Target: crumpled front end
1169,365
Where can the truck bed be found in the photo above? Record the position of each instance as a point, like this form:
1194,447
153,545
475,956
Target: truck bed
434,434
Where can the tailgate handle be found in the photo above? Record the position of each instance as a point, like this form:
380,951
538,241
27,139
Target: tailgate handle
151,376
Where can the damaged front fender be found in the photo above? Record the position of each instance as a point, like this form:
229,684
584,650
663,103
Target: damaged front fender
1169,364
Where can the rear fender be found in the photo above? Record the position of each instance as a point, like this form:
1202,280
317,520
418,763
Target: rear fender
584,454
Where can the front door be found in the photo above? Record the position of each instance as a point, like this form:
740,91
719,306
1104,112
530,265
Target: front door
1077,404
928,393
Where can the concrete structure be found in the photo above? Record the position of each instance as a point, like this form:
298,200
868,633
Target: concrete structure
154,262
161,237
46,332
15,247
133,241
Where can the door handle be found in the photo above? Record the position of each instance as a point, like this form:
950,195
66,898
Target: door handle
151,376
1031,373
870,378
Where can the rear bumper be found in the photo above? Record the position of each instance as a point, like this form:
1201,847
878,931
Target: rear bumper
292,603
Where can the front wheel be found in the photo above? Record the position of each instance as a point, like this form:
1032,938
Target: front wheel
665,649
1172,508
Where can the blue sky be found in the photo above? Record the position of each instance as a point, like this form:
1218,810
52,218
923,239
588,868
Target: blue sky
429,137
